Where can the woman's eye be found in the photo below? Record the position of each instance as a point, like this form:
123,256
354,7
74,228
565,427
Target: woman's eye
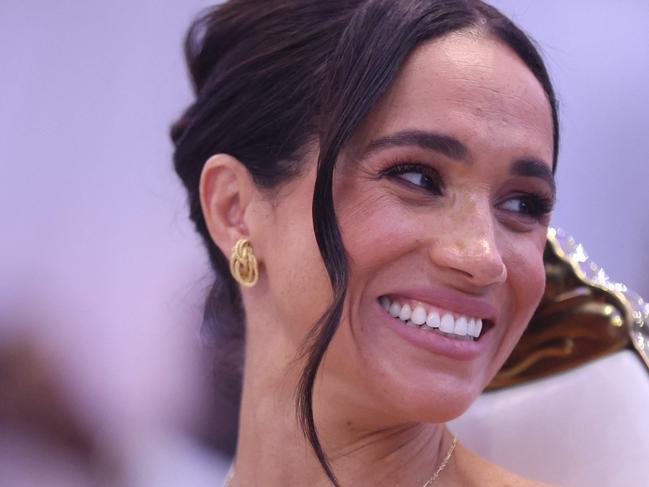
535,206
418,175
418,179
516,205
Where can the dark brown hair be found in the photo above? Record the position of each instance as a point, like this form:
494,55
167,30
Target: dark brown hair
272,75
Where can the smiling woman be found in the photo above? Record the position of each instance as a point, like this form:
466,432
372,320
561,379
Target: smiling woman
383,171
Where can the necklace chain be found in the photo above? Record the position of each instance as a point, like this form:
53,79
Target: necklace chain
442,465
440,469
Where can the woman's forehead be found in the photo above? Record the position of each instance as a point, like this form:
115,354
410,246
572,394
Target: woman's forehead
467,85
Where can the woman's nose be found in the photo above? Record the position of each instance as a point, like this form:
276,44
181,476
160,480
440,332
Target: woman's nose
471,252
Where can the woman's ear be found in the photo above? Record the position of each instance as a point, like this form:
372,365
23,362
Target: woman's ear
226,190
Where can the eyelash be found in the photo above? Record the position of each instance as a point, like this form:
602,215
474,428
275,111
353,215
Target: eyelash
539,204
400,168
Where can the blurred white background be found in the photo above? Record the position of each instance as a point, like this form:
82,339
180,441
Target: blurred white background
97,256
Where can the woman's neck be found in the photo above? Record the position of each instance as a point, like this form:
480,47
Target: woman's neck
273,451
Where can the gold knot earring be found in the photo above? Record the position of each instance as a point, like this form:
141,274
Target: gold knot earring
243,264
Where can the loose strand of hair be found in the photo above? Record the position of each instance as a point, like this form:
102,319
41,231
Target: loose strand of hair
304,399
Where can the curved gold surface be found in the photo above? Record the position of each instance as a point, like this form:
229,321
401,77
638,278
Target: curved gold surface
582,316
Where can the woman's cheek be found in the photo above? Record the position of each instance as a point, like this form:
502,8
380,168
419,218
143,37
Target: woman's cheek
375,229
298,280
527,274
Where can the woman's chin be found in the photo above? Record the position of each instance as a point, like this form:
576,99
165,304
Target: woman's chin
432,405
432,389
418,398
392,380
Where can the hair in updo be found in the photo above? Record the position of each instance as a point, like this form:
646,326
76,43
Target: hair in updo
269,77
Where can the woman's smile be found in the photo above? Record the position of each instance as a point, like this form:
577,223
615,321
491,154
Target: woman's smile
461,319
436,328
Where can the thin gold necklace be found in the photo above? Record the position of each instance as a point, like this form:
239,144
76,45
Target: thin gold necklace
440,469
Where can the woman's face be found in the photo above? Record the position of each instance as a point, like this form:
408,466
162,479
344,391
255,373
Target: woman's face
443,200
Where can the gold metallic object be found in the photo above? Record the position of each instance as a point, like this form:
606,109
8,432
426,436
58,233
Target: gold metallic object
228,478
243,264
583,315
442,465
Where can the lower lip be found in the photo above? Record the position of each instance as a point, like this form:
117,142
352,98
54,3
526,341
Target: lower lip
434,342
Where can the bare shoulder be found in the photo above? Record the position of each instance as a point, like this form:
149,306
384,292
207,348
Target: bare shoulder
475,471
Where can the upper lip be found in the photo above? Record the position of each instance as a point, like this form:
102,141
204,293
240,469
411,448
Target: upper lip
450,300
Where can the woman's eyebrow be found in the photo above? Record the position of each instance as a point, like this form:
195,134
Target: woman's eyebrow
456,150
444,144
534,168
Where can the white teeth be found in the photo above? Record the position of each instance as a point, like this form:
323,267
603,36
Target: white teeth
448,323
461,325
478,328
471,328
418,315
405,313
433,320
